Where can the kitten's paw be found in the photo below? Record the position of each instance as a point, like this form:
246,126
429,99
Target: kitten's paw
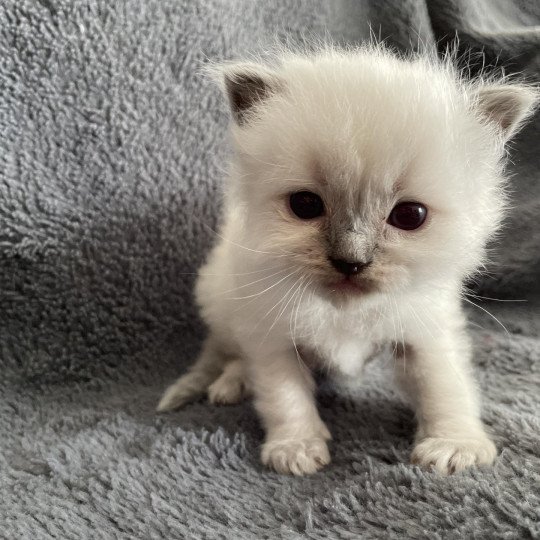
298,457
173,398
448,456
231,386
187,388
324,432
227,390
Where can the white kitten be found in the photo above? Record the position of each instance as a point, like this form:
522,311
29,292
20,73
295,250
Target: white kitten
362,193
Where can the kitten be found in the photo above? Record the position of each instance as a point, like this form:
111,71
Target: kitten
362,193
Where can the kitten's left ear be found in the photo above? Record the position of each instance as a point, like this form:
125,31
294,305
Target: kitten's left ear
508,106
248,85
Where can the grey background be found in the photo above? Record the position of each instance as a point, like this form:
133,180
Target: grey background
112,149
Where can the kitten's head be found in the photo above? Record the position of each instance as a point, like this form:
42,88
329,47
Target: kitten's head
369,172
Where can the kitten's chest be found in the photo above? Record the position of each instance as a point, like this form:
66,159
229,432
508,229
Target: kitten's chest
343,338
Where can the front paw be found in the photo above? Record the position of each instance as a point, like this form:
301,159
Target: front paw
226,391
296,456
448,456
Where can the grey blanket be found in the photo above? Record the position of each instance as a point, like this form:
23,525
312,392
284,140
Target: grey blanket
111,156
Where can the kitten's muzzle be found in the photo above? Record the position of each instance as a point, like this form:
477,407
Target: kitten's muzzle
348,268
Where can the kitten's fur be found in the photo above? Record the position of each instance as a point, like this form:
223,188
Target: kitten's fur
365,130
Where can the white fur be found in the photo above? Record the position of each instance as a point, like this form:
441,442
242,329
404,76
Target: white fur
365,130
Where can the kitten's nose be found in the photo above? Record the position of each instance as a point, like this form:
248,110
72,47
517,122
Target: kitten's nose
348,268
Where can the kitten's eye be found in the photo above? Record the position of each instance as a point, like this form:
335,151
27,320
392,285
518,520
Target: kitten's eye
408,215
306,205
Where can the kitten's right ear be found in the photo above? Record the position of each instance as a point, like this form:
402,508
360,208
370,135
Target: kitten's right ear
507,106
248,85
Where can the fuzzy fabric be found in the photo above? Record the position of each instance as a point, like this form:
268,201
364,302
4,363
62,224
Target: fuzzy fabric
111,156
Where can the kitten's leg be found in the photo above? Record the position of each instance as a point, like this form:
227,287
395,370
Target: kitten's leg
438,376
231,386
196,381
295,434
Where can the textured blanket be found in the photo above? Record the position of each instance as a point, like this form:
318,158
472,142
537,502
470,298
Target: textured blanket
111,156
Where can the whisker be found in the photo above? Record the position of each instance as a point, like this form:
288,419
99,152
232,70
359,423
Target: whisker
489,313
297,285
256,281
301,362
299,281
492,299
280,300
235,243
226,274
298,308
262,292
476,324
421,321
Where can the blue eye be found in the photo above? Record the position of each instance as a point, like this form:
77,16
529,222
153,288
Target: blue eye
408,216
306,205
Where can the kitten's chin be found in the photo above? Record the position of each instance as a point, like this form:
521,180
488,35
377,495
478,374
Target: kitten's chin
346,286
349,288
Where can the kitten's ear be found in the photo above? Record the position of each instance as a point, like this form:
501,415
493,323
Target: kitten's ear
247,85
507,106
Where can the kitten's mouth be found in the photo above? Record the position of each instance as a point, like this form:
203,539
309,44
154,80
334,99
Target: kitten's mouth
348,286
